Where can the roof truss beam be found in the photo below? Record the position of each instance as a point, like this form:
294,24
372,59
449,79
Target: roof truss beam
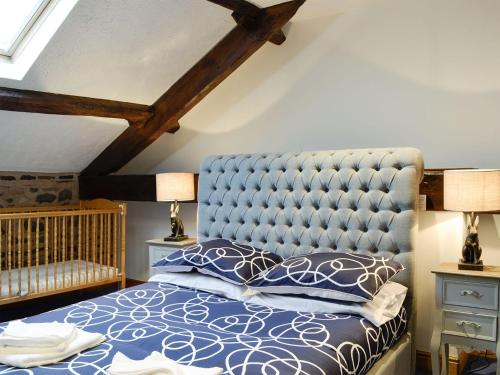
58,104
223,59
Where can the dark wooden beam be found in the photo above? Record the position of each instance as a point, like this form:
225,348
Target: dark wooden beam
143,188
432,187
59,104
119,187
252,23
240,6
140,188
234,49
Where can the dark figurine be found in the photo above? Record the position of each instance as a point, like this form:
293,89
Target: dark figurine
471,252
176,224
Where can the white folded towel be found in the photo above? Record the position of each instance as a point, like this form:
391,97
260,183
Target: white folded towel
18,333
60,348
155,364
82,341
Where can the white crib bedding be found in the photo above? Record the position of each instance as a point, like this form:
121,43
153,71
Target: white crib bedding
83,273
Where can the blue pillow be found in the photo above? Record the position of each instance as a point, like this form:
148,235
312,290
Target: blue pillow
340,276
227,260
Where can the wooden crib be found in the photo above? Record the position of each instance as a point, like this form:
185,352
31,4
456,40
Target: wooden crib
51,250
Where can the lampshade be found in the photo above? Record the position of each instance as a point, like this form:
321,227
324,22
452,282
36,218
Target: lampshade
472,190
174,187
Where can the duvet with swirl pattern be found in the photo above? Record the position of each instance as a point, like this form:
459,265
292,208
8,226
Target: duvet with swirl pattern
206,330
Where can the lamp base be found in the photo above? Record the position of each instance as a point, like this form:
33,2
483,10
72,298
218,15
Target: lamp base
471,266
175,239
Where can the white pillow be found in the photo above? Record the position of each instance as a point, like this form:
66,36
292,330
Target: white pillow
384,307
202,282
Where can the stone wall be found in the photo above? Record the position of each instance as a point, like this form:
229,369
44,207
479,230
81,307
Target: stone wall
24,189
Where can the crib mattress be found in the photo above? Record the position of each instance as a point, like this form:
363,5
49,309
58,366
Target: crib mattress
83,273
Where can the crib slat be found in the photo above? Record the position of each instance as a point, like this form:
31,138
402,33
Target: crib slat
47,225
122,252
115,240
108,247
19,257
9,255
37,249
87,245
63,249
93,239
28,234
101,241
72,244
55,252
79,249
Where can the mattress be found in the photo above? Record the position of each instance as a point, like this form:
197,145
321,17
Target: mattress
83,273
204,329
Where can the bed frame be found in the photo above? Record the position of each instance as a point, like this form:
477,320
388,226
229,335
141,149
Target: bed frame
51,250
361,201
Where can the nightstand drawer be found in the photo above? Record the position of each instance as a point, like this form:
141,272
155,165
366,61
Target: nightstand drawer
477,326
158,253
477,294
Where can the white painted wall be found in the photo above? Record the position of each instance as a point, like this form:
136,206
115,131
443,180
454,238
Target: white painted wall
355,74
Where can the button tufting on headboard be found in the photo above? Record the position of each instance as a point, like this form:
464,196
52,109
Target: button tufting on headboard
296,203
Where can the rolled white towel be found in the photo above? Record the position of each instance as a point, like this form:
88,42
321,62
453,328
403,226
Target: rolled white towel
18,333
155,364
82,341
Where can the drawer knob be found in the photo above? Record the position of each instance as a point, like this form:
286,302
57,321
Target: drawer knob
463,323
473,293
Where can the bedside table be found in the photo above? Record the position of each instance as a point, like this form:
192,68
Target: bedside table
158,249
467,311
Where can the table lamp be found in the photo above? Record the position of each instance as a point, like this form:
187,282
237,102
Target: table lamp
472,191
175,187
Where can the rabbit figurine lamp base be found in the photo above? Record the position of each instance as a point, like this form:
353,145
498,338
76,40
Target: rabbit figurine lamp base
176,224
471,252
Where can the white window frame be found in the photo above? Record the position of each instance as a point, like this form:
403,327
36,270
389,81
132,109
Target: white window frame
34,38
33,19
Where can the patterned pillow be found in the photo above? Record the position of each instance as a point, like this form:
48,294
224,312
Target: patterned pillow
340,276
227,260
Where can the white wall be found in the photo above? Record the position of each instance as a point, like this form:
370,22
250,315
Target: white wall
355,74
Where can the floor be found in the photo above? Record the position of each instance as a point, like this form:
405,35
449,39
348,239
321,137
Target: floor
475,366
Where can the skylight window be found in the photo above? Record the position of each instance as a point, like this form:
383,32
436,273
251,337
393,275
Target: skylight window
16,18
26,26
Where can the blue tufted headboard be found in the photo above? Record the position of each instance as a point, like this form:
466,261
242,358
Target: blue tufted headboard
296,203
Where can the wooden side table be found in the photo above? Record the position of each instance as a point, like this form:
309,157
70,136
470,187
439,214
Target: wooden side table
158,249
467,311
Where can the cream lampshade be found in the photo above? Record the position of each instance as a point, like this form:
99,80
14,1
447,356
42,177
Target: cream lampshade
175,187
171,187
472,191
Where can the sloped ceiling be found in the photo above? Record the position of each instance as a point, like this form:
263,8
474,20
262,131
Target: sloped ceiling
113,49
126,50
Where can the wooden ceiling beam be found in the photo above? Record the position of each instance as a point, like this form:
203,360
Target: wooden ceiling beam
58,104
141,188
240,6
250,19
234,49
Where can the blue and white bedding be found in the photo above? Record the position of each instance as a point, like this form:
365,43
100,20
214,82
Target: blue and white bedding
208,330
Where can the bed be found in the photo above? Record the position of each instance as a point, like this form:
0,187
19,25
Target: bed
288,204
